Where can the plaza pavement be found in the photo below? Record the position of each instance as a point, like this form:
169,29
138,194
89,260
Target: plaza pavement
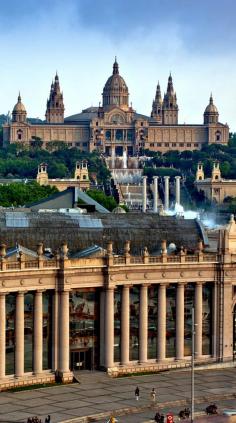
97,393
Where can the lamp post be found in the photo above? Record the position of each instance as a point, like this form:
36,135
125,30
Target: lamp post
192,367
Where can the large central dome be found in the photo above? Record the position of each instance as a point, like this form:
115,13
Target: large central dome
115,91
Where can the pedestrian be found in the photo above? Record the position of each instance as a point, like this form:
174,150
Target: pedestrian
136,392
153,395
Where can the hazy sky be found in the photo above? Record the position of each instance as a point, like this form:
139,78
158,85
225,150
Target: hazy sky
194,39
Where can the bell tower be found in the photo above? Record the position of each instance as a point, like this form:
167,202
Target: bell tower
216,173
42,175
55,106
170,106
200,172
157,106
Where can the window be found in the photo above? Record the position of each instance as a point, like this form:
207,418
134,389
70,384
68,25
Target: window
85,144
218,136
181,144
77,144
167,144
141,123
188,144
152,144
195,145
96,123
84,177
158,144
174,144
19,134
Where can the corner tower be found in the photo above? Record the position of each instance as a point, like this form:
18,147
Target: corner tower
170,106
115,91
55,106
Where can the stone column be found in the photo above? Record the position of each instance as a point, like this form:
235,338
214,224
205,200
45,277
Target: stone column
166,205
125,325
64,337
38,332
155,194
102,323
19,335
177,189
161,323
180,322
144,194
143,324
109,328
198,320
2,334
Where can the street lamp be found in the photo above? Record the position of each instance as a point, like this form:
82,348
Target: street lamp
192,366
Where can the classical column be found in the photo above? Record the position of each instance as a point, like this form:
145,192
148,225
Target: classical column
198,320
155,194
177,189
102,323
144,194
19,335
2,334
166,205
161,323
38,332
143,324
64,337
125,325
180,322
109,328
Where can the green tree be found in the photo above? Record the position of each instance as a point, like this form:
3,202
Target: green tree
106,201
19,194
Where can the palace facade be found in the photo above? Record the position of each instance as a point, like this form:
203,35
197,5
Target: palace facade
114,126
120,313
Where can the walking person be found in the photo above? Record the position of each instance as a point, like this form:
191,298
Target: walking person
136,392
153,395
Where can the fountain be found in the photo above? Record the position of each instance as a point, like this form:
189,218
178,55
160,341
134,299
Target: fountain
125,159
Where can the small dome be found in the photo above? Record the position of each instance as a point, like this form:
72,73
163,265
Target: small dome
118,210
211,108
19,107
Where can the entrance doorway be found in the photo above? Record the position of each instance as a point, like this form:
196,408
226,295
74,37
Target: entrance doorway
81,360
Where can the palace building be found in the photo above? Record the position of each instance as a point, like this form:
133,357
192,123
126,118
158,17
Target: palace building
108,308
114,126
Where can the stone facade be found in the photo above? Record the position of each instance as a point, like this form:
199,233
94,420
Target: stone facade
115,126
215,189
101,307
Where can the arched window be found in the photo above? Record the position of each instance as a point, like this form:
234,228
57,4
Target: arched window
218,136
19,134
84,177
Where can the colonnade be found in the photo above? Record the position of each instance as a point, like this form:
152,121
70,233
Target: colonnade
155,193
143,324
62,343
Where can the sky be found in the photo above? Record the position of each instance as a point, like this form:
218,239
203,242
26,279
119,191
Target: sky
193,39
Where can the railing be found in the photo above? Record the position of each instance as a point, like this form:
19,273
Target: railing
33,264
155,259
119,260
49,263
136,259
210,257
173,259
13,265
191,259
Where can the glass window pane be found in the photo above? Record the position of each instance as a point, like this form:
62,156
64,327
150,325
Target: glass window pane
10,333
47,330
207,317
117,323
189,293
134,323
170,320
28,331
152,321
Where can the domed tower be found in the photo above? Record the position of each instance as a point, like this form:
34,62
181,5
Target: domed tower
55,106
211,114
115,91
157,106
19,112
170,106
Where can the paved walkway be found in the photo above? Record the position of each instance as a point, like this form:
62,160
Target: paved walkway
97,393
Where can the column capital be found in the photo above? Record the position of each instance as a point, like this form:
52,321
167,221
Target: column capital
3,294
21,293
162,285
